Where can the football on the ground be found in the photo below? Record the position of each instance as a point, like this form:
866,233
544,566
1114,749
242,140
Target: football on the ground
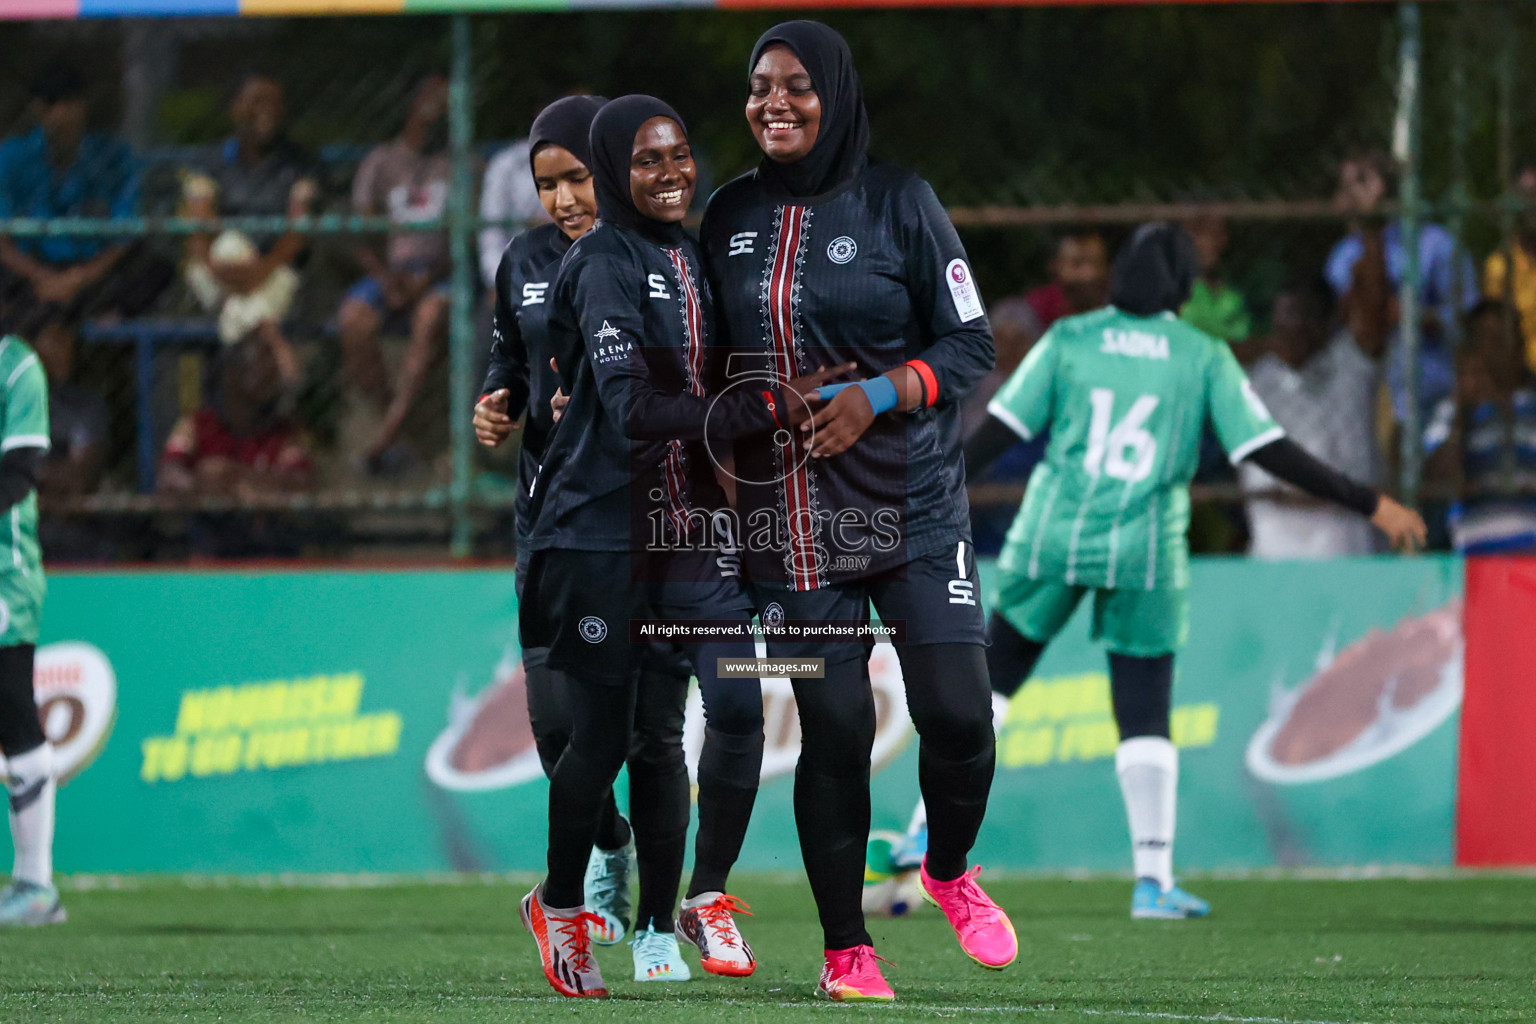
890,890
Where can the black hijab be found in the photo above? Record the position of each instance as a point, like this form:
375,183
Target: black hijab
1155,271
566,123
842,142
613,143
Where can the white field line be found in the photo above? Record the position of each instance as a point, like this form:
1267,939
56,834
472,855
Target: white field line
944,1009
938,1009
381,880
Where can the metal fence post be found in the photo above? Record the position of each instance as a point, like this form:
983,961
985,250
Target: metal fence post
461,332
1405,145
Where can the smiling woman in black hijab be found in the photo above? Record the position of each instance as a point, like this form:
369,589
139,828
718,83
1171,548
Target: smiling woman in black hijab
520,378
623,530
819,256
840,148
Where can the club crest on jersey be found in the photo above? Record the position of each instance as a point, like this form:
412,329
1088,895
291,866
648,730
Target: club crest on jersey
658,283
533,293
593,629
743,243
1137,344
773,616
842,250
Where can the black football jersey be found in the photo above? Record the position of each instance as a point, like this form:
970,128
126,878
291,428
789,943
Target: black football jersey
520,347
872,273
628,467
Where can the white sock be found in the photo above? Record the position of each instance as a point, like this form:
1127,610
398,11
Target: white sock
703,899
29,778
1148,767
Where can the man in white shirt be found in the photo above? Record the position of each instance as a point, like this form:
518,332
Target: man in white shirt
1320,384
507,193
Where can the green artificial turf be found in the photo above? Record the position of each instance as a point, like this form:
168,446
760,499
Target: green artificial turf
1440,950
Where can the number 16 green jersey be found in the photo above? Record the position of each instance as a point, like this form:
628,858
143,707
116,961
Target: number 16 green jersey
1126,399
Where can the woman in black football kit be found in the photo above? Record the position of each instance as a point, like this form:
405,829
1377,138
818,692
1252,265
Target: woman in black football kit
819,256
519,378
625,529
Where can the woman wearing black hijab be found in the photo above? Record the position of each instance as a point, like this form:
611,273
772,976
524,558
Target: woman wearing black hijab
520,378
1126,391
821,255
624,530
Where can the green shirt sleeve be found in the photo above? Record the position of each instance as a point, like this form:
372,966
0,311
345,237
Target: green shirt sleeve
26,406
1242,423
1025,403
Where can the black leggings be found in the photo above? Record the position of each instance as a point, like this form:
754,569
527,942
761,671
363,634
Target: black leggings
1141,689
658,775
603,718
20,728
950,704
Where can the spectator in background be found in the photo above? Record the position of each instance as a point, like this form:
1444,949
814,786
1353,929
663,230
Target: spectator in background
408,179
78,425
1214,306
1079,280
241,445
1320,384
507,193
1014,332
1367,266
1484,438
61,170
250,281
1517,289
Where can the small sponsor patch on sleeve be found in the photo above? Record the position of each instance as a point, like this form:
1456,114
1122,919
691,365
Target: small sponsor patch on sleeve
962,289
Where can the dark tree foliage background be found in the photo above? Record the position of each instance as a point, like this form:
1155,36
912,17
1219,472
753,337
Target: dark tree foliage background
992,105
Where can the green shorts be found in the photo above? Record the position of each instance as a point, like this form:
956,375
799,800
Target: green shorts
1140,623
21,609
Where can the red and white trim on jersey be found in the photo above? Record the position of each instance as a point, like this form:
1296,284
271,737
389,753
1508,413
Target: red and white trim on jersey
674,465
781,302
693,318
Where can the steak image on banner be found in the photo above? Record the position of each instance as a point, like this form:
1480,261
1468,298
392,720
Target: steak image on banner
76,692
488,743
781,719
1376,698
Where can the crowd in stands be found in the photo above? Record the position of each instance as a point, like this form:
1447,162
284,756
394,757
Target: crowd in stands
1331,368
1325,352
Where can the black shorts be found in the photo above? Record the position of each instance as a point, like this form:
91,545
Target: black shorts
665,659
579,604
933,599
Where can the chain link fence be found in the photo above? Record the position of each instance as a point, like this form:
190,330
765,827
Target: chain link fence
255,259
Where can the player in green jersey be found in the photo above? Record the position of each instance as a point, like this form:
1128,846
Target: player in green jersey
30,898
1126,392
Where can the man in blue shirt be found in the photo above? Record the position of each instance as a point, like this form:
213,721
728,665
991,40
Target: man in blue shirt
61,170
1366,268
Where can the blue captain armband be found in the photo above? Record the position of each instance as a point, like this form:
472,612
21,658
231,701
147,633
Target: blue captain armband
881,392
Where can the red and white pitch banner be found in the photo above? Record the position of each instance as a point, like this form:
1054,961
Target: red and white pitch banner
1496,787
